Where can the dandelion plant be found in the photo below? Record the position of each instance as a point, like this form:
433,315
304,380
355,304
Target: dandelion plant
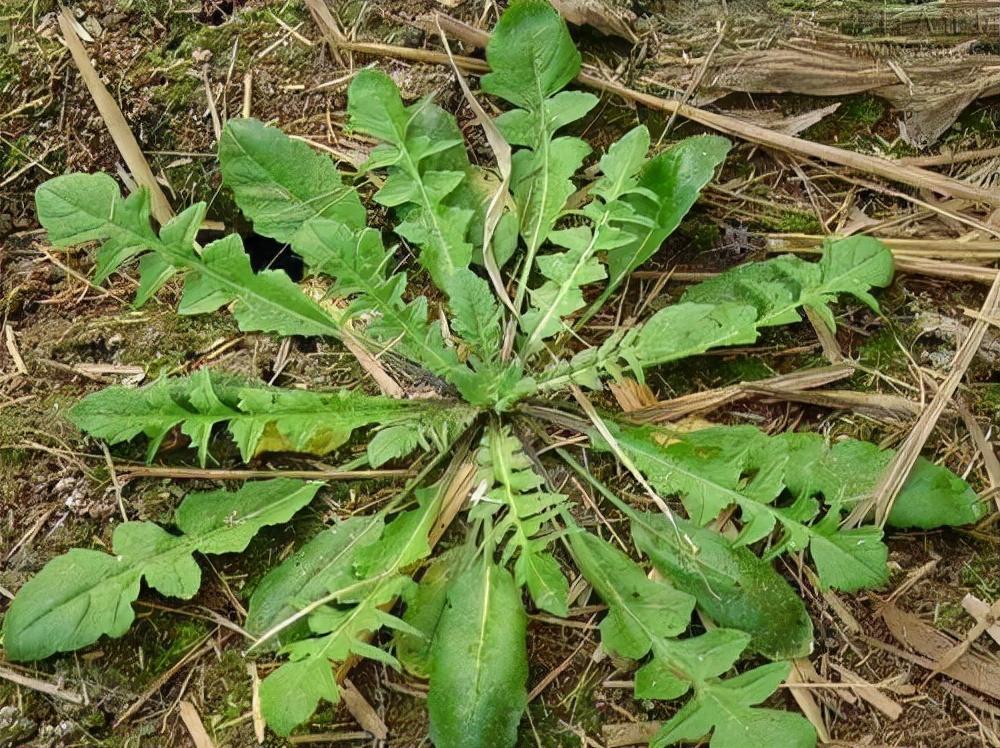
508,368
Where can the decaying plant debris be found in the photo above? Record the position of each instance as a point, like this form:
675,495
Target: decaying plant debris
508,435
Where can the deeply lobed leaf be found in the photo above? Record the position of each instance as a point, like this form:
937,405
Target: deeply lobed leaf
512,484
77,208
778,483
356,587
732,308
644,616
259,418
84,594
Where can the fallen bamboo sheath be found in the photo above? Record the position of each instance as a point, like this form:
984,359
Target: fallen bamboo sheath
904,263
938,248
913,176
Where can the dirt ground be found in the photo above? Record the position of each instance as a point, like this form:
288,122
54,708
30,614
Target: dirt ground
64,337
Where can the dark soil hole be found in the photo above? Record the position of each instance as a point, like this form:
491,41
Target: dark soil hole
217,12
265,253
268,254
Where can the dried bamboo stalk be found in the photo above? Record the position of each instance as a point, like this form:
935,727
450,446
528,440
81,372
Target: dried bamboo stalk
127,145
913,176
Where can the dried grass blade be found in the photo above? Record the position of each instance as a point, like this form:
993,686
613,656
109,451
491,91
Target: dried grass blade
115,121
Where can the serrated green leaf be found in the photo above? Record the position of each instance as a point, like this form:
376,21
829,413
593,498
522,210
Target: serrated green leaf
75,208
283,184
848,471
323,565
479,662
699,658
568,272
731,309
714,468
437,225
259,418
337,630
734,587
429,184
776,288
532,57
727,708
670,183
82,595
290,695
513,484
640,610
390,443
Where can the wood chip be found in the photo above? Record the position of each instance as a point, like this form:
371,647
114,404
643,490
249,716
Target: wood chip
11,342
803,672
195,728
870,693
979,610
362,711
255,712
42,686
777,386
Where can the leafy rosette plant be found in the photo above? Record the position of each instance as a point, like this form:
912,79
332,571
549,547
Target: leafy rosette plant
514,261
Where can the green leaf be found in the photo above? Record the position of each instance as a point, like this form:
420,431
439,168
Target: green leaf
338,629
282,184
390,443
429,185
479,662
514,485
75,208
776,288
568,272
290,695
642,617
415,180
423,611
731,309
259,418
732,585
358,262
848,471
640,610
323,565
729,708
670,182
715,468
84,594
687,661
531,57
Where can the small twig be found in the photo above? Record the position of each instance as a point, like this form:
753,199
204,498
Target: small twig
41,686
